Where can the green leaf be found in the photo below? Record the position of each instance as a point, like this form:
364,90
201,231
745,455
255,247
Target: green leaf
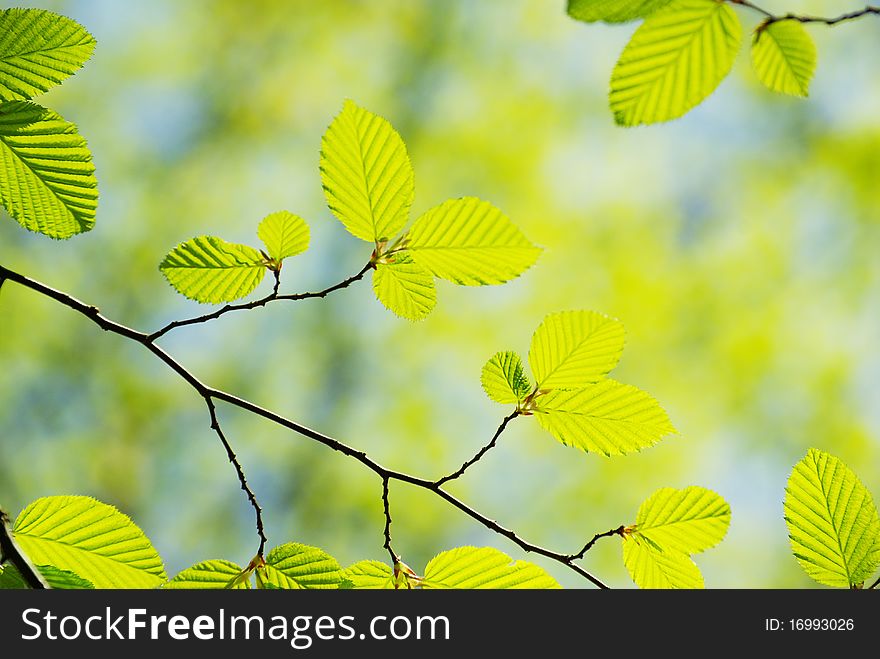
607,417
47,179
483,567
832,521
470,242
293,565
784,57
38,50
572,349
58,579
650,567
613,11
89,538
504,380
404,287
209,269
688,520
370,574
676,59
284,234
10,578
366,173
210,575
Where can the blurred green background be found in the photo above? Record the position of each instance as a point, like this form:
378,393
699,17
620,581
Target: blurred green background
738,245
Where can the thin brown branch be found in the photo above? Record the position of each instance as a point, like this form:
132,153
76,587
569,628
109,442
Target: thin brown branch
386,507
802,18
258,511
207,392
481,452
261,302
10,551
587,547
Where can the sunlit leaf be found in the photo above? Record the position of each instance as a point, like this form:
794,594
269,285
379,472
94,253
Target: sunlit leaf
39,49
209,269
607,417
370,574
572,349
651,567
11,579
470,242
504,380
483,567
832,522
284,235
293,565
367,175
210,575
613,11
784,57
675,59
89,538
689,520
47,179
404,287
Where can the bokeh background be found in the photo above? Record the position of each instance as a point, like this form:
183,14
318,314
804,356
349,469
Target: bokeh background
738,245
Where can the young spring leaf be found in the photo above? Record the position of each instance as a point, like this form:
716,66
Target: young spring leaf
483,567
572,349
832,522
613,11
607,417
504,379
784,57
11,579
676,59
404,287
284,235
47,179
652,567
366,173
470,242
39,49
688,521
293,565
91,539
212,574
370,574
211,270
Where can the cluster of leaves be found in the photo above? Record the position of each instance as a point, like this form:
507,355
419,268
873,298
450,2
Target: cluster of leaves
684,49
47,179
368,182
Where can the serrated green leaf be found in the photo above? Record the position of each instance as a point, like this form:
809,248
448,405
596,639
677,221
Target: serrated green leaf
213,574
784,57
504,379
293,565
10,578
404,287
47,179
832,522
89,538
483,567
470,242
572,349
689,520
607,417
613,11
676,59
58,579
370,574
284,235
366,173
209,269
38,50
650,567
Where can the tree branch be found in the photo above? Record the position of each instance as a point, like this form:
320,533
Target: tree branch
207,392
9,551
395,559
775,18
587,547
261,302
481,452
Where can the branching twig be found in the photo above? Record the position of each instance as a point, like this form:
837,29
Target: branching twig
261,302
482,451
775,18
587,547
207,392
9,551
386,507
215,426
